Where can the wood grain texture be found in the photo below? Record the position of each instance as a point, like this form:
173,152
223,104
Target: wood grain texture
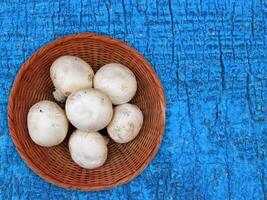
211,57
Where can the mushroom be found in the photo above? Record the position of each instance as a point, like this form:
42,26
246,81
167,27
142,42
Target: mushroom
126,123
47,123
70,74
88,149
117,81
89,109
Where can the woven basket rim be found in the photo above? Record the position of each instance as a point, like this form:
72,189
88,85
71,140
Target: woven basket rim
15,87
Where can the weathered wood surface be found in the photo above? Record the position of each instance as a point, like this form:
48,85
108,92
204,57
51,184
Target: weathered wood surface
211,57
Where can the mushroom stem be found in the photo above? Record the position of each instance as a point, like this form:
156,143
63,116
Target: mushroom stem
59,96
106,139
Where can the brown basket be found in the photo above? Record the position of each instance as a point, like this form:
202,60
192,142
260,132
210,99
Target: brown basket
125,161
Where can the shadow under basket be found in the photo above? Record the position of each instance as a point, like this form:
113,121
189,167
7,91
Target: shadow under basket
125,161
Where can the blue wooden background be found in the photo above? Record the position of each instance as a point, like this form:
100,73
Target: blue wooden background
211,57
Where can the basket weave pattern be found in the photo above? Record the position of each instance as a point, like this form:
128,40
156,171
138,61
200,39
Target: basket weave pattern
125,161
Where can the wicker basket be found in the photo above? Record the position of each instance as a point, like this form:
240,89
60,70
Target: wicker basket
125,161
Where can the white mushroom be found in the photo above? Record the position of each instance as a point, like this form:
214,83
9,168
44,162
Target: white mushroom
117,81
88,149
89,109
47,123
126,123
70,74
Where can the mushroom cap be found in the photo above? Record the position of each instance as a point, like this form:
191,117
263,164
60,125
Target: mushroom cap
47,123
126,123
117,81
70,74
89,109
88,149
